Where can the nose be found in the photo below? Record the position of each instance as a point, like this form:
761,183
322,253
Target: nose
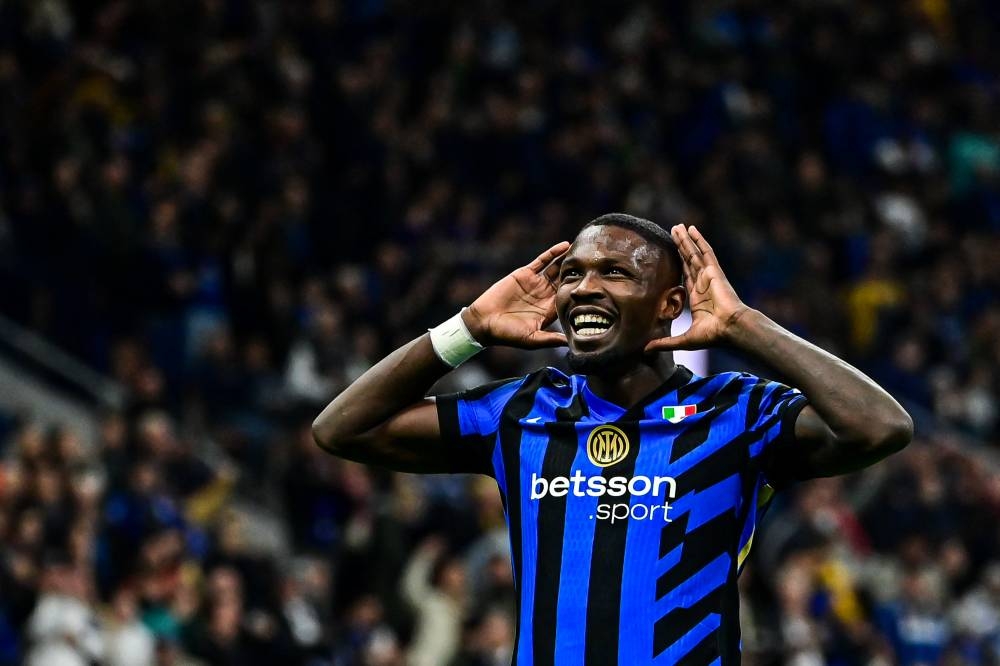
588,286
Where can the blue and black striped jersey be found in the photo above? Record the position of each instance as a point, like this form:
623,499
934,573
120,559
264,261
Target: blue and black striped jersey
628,527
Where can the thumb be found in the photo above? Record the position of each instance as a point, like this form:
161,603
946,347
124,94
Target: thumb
670,343
541,339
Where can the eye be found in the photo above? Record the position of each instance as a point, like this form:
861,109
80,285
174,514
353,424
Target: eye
615,270
569,273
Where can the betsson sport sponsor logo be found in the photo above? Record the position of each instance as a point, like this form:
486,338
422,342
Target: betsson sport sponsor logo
578,485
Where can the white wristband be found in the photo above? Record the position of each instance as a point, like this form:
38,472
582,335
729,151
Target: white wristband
452,341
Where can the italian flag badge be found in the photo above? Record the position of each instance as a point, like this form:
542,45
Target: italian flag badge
678,412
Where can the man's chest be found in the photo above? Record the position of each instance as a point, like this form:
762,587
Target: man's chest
640,467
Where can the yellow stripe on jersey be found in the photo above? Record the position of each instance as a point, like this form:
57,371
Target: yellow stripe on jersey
765,495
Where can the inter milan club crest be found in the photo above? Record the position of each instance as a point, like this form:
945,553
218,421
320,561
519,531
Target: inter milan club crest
606,446
676,413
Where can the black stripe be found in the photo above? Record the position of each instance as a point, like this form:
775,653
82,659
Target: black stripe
754,399
576,411
678,381
718,466
475,455
447,409
789,414
559,454
519,406
697,432
704,653
785,460
728,636
671,627
481,391
472,453
729,627
701,546
685,392
604,597
673,533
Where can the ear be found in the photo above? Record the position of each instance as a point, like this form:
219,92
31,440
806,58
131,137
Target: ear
671,304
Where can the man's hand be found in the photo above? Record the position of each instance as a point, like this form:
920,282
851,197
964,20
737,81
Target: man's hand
715,307
383,418
517,308
850,423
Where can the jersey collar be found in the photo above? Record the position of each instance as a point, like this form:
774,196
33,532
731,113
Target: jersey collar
608,410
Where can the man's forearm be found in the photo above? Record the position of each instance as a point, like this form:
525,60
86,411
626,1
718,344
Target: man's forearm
852,405
397,381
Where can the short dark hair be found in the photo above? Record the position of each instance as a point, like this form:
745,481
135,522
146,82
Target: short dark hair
647,229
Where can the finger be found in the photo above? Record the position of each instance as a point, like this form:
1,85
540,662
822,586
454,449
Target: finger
551,272
545,258
542,339
688,250
688,278
671,343
707,253
685,244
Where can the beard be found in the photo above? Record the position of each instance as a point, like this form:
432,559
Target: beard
600,362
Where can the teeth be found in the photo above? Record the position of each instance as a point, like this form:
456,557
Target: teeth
584,332
579,320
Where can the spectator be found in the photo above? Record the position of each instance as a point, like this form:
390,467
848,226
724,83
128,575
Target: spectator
435,585
128,642
234,208
62,628
915,626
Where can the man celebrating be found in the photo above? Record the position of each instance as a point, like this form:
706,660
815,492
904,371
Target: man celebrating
631,487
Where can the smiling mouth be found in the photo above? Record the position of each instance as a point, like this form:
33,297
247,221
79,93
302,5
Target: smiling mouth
587,326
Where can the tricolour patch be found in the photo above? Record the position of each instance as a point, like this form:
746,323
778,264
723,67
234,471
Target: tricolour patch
678,412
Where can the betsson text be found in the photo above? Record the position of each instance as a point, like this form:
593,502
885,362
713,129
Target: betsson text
579,485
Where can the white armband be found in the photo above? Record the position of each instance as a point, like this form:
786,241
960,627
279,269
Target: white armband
452,341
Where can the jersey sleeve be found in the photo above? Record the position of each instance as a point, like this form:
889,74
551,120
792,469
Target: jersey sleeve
771,410
469,422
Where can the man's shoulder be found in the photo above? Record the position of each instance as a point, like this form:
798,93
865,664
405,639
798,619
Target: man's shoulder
542,378
733,378
751,391
730,375
727,386
550,380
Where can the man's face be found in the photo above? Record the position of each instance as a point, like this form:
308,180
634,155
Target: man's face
610,297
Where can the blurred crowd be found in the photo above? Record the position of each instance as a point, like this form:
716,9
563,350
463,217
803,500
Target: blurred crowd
235,207
139,555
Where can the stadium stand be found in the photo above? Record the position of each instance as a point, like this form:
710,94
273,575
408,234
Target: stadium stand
232,208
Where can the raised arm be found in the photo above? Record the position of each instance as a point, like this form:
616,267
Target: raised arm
850,422
384,418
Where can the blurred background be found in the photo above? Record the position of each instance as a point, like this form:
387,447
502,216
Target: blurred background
214,214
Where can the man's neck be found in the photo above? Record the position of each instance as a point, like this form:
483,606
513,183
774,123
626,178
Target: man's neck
628,387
